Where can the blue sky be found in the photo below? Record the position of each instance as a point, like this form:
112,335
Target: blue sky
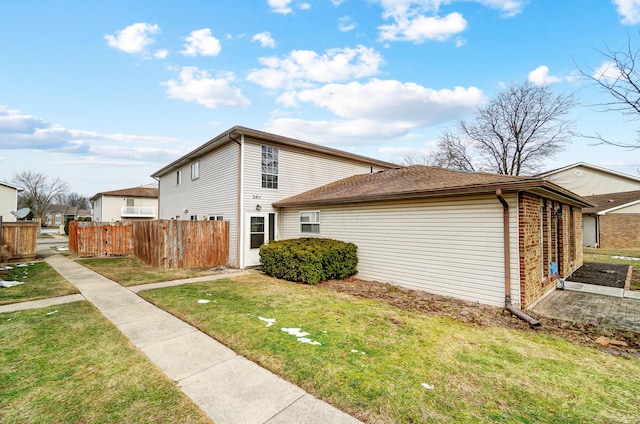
104,93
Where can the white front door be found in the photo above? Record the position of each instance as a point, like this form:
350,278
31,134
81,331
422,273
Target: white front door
260,230
589,231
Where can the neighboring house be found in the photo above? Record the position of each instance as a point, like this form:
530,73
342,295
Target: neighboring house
613,223
590,180
237,175
136,203
58,214
8,201
443,231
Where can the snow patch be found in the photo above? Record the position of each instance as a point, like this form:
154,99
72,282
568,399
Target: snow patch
626,258
301,336
7,284
52,312
269,321
203,301
427,386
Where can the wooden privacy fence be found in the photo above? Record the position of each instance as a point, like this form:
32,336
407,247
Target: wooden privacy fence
162,244
88,239
20,239
175,244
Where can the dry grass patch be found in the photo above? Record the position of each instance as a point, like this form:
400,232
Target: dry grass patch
129,271
372,358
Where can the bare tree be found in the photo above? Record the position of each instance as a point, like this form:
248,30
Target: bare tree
619,77
453,153
415,158
513,134
76,200
39,193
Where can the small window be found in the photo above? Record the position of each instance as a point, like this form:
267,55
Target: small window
269,167
178,177
195,170
310,222
216,218
194,217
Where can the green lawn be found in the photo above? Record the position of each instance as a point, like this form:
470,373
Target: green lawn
606,256
40,282
67,364
383,364
129,271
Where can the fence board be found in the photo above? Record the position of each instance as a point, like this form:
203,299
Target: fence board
21,239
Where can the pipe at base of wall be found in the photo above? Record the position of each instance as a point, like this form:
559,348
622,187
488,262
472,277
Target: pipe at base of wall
507,267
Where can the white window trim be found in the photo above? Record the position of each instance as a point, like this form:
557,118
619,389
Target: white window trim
275,150
300,223
178,178
215,217
195,170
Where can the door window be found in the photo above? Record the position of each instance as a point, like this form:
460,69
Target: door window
257,232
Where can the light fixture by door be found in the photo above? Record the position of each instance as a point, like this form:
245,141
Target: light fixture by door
258,207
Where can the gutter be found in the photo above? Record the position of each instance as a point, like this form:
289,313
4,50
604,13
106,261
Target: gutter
507,266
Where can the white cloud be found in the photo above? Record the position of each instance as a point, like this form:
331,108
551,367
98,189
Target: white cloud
337,2
198,86
509,8
540,76
346,24
338,132
390,101
422,28
608,70
280,6
629,10
265,39
134,38
304,6
303,68
201,42
161,54
22,131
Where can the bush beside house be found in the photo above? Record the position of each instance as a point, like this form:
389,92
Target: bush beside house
309,260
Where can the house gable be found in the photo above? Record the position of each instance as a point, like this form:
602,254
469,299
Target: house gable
588,180
8,201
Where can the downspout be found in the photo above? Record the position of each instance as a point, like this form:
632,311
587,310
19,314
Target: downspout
158,211
507,266
240,191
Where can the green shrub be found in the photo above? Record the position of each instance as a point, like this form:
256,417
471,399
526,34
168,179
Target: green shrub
66,224
309,260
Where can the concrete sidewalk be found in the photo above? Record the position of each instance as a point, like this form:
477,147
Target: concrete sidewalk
226,386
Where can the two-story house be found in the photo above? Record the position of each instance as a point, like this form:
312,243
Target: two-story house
239,174
8,201
614,220
476,236
128,204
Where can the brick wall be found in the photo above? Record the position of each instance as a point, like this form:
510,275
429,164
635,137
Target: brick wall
539,234
619,231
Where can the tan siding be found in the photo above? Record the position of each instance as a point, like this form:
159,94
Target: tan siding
593,181
629,209
451,247
8,203
215,192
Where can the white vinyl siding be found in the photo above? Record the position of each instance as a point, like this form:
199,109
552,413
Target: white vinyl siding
589,181
451,247
109,208
8,203
216,191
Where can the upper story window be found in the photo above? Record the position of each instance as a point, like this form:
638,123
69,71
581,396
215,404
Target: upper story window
195,170
216,218
269,167
178,177
310,222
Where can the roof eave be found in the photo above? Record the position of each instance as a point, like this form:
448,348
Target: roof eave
550,189
225,138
